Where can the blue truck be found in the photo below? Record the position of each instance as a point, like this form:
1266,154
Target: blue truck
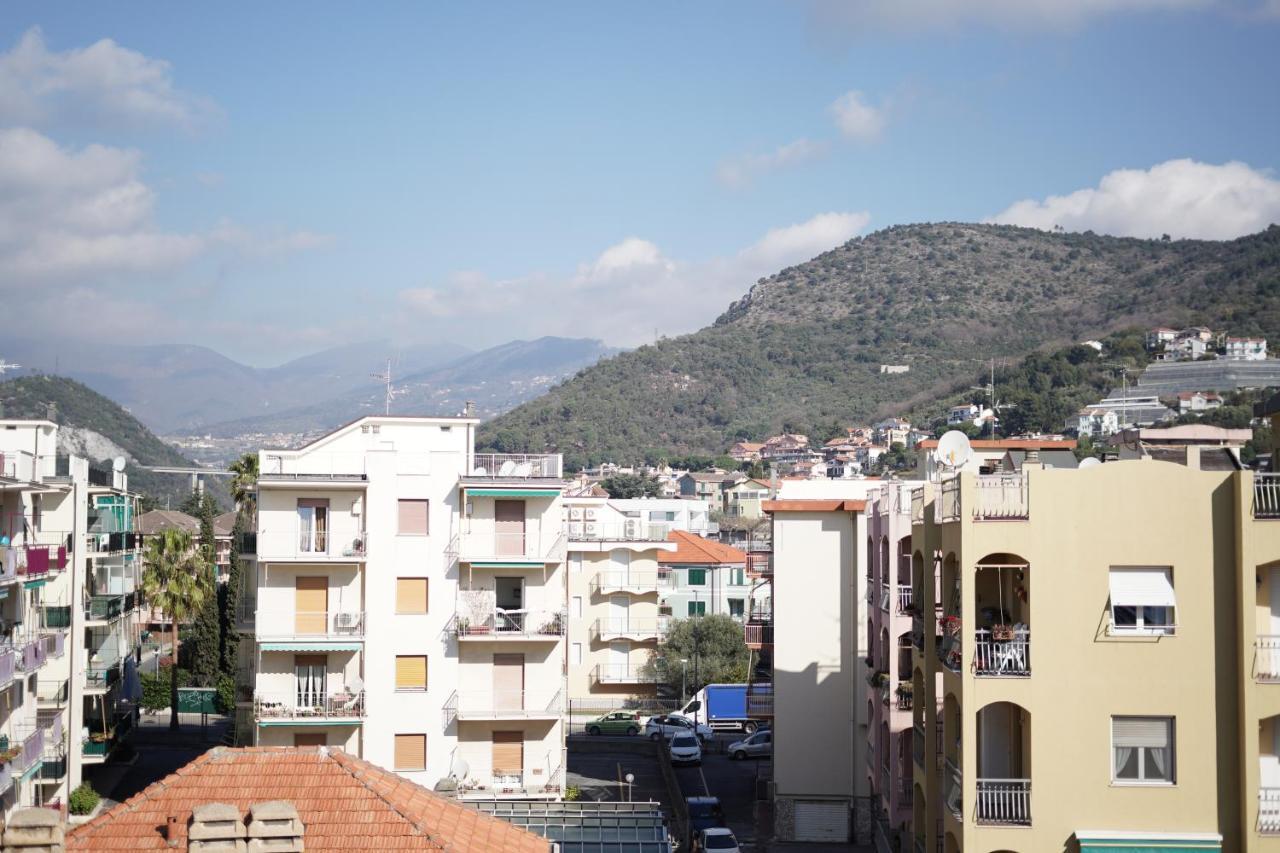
723,707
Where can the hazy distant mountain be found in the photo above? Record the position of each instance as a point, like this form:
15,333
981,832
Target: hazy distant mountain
175,388
495,379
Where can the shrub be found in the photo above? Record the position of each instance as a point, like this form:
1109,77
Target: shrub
573,792
83,800
225,699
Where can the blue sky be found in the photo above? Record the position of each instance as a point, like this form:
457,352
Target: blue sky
270,179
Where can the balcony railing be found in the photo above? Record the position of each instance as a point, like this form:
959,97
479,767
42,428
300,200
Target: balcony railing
1001,497
757,635
635,628
953,789
29,653
1266,665
917,505
1000,651
53,692
55,616
904,597
637,582
501,705
26,467
509,624
111,543
310,543
760,699
516,466
950,500
288,624
53,764
885,597
760,565
631,530
1266,495
622,673
54,644
100,675
536,778
32,747
294,466
1269,811
494,546
308,706
102,607
1004,802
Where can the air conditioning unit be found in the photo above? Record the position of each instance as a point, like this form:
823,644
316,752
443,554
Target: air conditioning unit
347,620
590,528
591,513
632,528
575,514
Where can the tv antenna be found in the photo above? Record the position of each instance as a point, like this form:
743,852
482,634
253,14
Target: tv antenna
385,378
1123,370
993,405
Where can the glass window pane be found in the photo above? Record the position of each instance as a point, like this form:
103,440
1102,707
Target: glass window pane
1127,762
1156,765
1126,617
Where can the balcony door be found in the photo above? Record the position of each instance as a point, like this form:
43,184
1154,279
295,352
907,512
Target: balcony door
509,598
508,682
309,675
621,560
508,757
1274,588
620,612
313,525
508,522
619,658
310,606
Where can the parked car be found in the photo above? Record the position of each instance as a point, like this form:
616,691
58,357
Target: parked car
704,812
617,723
717,838
685,750
758,745
667,725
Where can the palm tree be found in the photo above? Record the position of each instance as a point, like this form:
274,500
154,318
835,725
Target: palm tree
176,579
244,483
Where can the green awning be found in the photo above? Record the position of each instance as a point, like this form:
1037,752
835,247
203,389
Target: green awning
325,722
527,492
32,770
1102,841
312,646
34,584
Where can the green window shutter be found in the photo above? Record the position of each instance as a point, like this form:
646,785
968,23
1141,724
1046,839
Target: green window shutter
697,577
697,608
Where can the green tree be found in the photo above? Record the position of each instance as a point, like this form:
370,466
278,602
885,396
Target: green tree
175,581
244,483
206,659
631,486
713,647
230,599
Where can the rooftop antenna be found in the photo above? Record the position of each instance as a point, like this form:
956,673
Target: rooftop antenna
993,404
1124,385
385,378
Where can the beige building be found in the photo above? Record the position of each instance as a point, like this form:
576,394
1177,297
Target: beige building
1097,691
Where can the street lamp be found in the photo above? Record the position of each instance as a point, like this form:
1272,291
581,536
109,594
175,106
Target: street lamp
684,671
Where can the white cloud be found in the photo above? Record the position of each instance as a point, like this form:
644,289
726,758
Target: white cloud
742,170
842,17
1181,198
103,84
621,294
856,118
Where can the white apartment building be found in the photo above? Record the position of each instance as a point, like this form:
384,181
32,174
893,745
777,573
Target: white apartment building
613,581
1247,349
690,515
408,605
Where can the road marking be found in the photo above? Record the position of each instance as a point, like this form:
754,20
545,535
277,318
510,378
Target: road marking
706,789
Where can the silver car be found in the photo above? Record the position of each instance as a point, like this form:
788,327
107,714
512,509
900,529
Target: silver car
758,745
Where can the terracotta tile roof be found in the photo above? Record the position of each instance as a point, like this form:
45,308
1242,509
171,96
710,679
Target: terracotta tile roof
807,505
695,551
1009,444
158,520
345,803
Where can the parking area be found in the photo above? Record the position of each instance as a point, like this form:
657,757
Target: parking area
733,782
601,774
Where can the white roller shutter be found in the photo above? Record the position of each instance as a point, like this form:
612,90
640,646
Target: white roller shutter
1141,587
822,821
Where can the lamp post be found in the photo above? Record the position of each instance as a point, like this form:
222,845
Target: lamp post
684,672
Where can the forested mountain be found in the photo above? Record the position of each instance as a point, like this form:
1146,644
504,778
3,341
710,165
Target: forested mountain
802,350
92,426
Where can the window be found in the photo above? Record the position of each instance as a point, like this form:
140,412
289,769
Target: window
1142,601
737,577
411,752
413,517
697,577
577,607
313,525
697,608
576,653
1142,750
411,672
411,595
736,607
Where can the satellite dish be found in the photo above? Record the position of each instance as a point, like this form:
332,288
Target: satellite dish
953,449
118,463
1090,462
459,768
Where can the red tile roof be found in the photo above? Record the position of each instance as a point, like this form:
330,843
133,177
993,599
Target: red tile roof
811,505
1009,444
695,551
345,803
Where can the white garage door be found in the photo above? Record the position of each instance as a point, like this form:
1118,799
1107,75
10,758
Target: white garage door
822,822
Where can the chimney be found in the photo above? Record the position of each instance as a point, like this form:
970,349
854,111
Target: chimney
274,827
214,828
37,830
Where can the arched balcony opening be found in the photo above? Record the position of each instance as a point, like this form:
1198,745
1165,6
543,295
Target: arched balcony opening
1002,607
1004,765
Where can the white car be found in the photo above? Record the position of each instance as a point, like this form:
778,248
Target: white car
719,839
685,750
759,744
668,725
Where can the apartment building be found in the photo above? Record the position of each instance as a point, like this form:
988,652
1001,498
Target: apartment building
1085,663
701,577
408,605
743,500
613,587
687,514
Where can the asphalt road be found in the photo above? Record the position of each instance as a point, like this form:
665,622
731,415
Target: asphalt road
733,782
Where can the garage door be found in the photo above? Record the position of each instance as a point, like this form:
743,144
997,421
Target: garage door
822,822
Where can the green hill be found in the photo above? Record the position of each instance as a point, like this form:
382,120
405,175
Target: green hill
93,426
802,350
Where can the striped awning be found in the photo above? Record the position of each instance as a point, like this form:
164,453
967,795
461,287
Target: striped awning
312,646
35,584
266,724
1102,841
522,492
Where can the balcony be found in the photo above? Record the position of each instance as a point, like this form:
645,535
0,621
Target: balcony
112,543
1266,665
1002,650
509,625
1269,811
503,705
29,653
101,675
308,707
631,530
53,693
622,673
917,745
536,779
760,565
8,665
1001,497
303,624
1004,802
905,598
492,547
102,608
29,744
287,467
948,504
949,644
54,644
885,597
629,628
53,764
97,746
917,505
953,790
516,466
54,616
1266,495
636,583
25,467
758,634
308,544
760,700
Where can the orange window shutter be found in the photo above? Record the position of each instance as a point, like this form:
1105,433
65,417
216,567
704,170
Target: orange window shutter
411,595
411,672
411,752
413,517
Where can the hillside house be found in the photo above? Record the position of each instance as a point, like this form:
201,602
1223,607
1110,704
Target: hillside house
1198,401
702,577
892,431
962,413
743,499
1094,422
788,447
1157,338
1247,349
746,451
707,485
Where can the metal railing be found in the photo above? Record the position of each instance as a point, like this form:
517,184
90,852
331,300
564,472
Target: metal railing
631,530
32,741
953,789
111,543
917,505
1001,497
1269,811
53,692
516,466
624,627
8,665
501,704
483,781
905,597
511,624
296,705
311,466
760,565
342,624
310,543
1266,665
760,699
606,582
756,635
950,499
30,653
1002,651
529,545
101,675
885,596
1266,495
622,673
55,616
102,607
1004,802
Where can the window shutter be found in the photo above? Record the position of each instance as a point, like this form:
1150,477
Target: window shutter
1140,731
411,672
508,752
411,752
413,517
411,595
